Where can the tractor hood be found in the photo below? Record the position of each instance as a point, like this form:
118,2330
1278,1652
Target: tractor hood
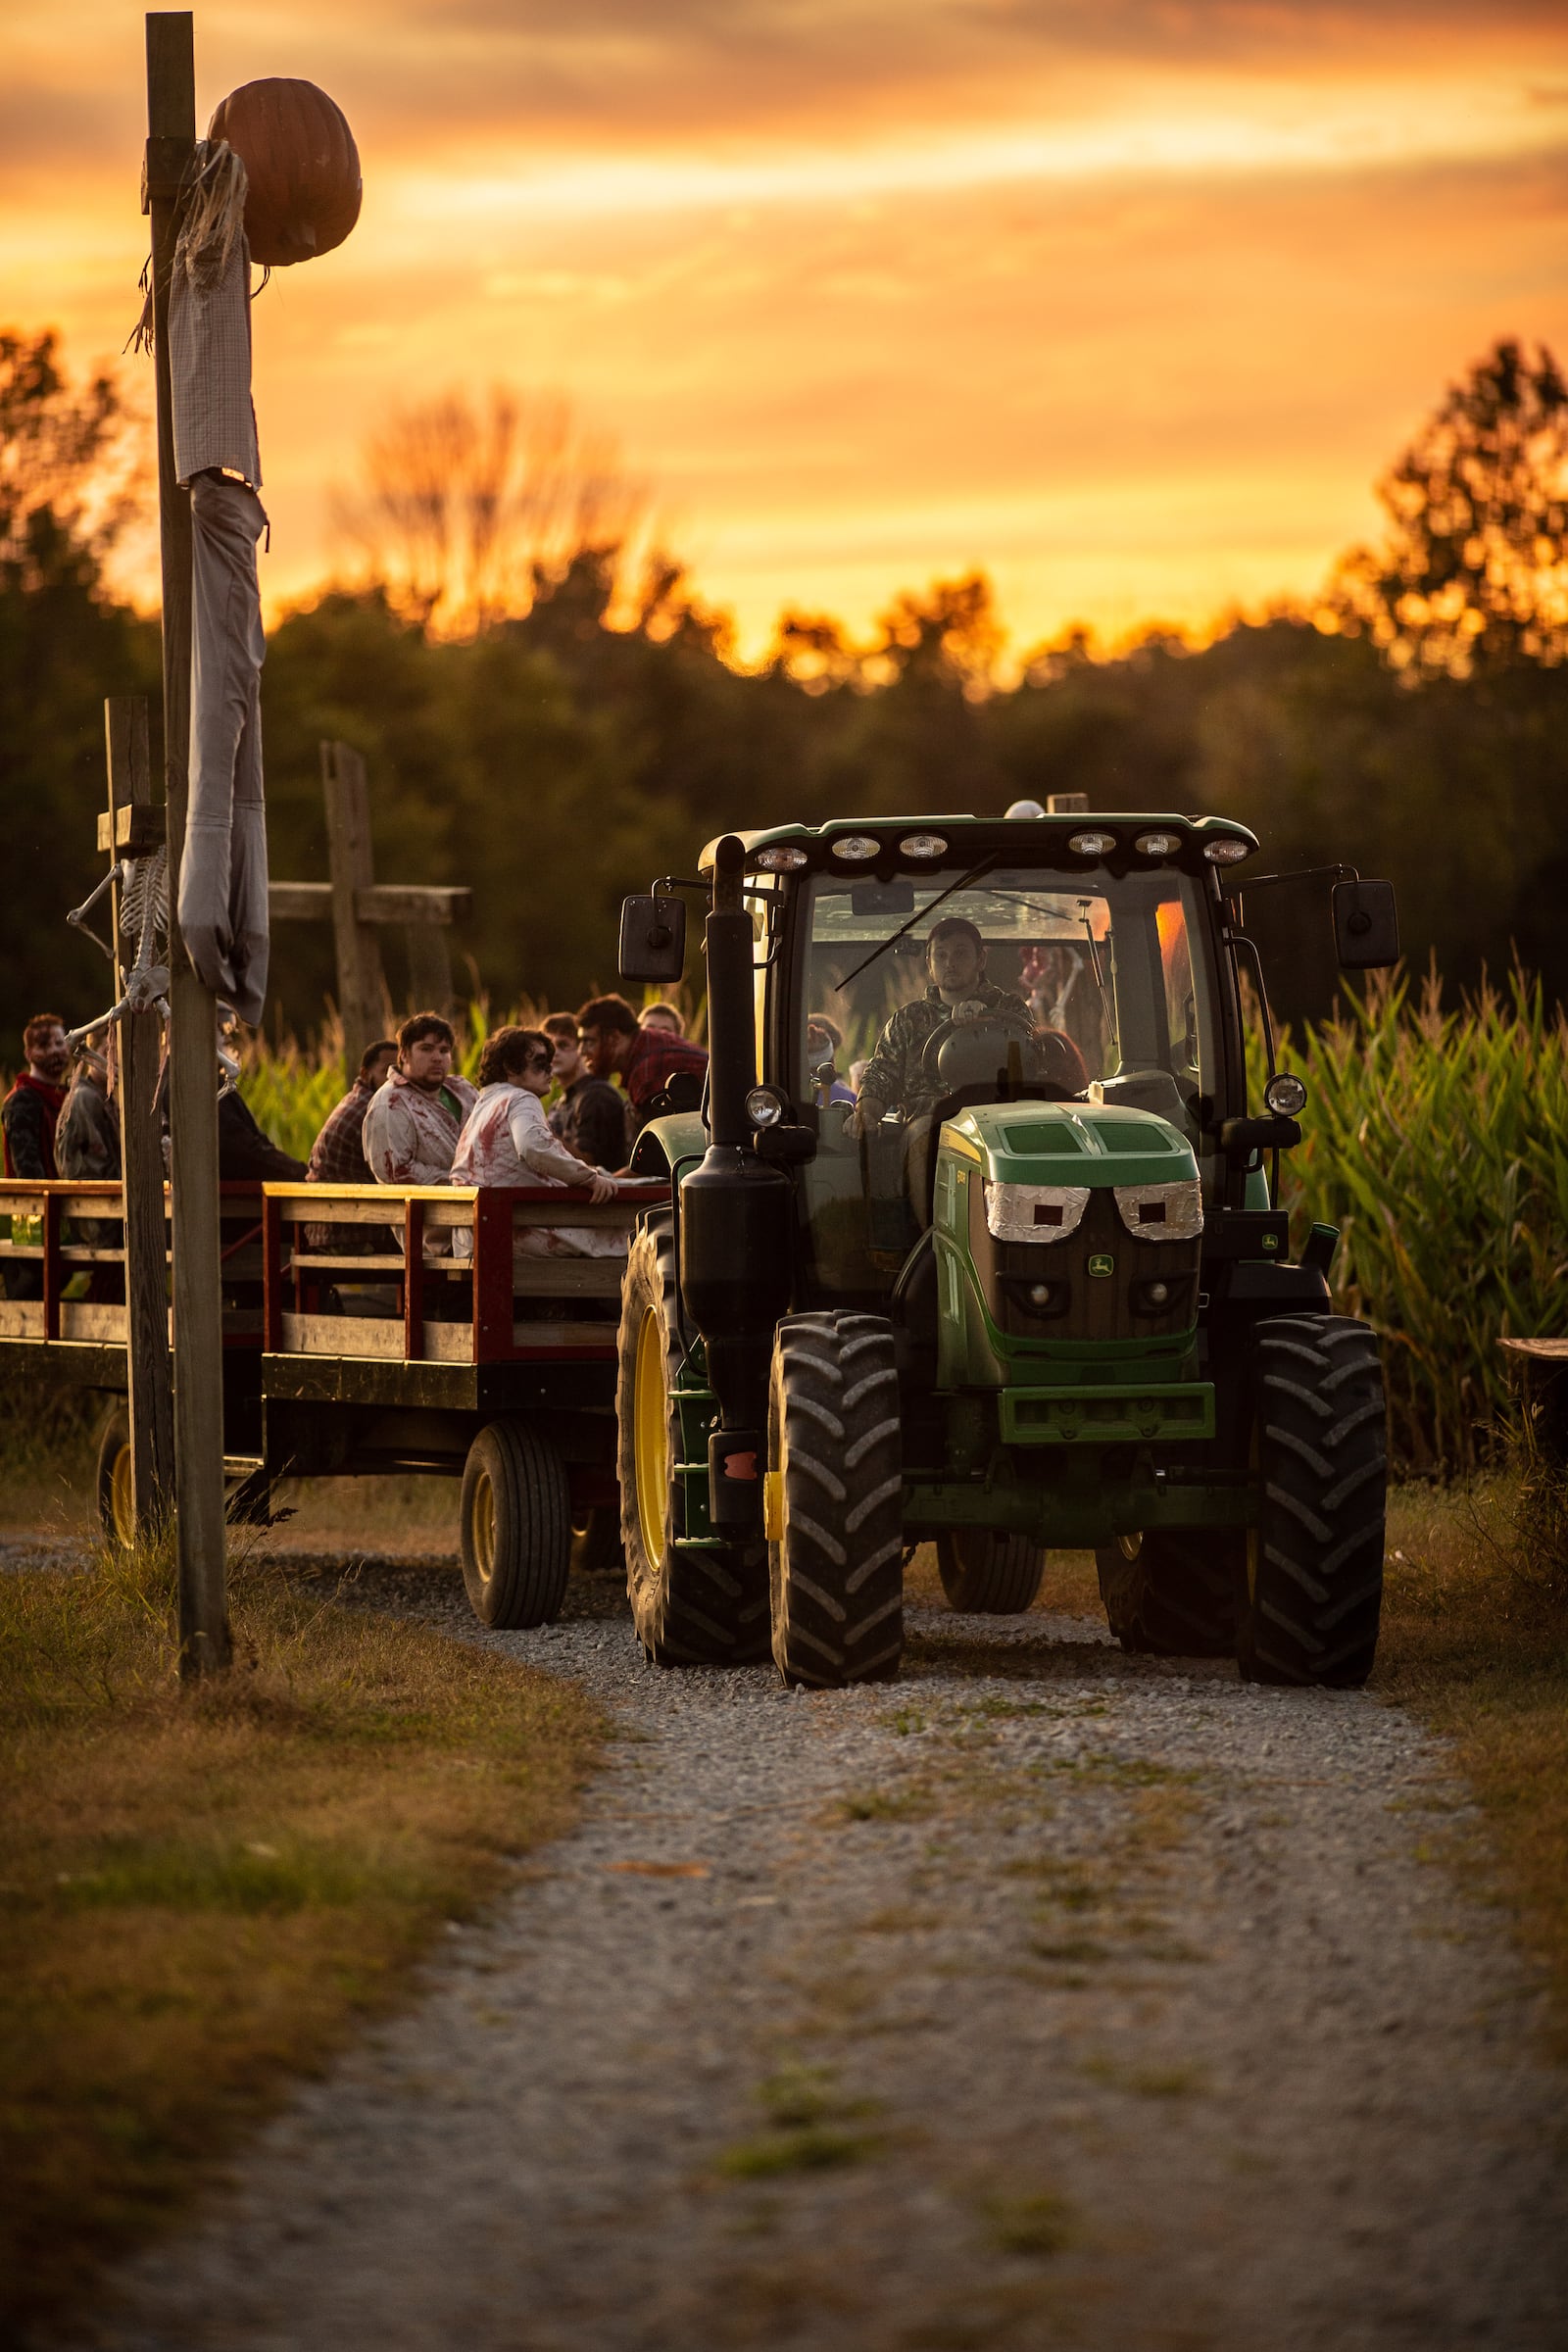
1070,1144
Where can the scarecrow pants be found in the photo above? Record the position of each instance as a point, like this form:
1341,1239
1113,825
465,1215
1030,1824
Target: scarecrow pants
223,870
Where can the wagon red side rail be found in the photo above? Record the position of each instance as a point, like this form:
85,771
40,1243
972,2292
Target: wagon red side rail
439,1274
63,1257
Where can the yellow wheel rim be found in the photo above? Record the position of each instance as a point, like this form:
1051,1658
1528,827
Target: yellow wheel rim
1129,1547
122,1506
650,1437
482,1526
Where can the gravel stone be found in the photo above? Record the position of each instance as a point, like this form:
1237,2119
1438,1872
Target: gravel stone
1047,1995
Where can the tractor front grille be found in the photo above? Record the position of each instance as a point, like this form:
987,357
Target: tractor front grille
1099,1282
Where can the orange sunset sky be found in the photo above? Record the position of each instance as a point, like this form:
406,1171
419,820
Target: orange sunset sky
1126,301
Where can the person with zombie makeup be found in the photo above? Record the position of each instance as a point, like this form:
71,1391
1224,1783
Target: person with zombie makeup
87,1134
590,1115
32,1110
412,1123
506,1140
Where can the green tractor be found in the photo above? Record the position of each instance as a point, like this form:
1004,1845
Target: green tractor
1027,1288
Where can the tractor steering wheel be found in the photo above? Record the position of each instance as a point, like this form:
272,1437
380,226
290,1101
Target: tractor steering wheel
971,1052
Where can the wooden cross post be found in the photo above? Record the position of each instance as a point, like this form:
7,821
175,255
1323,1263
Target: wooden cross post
134,827
204,1637
360,908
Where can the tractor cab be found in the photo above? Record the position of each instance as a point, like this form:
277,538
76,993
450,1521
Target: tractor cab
976,1158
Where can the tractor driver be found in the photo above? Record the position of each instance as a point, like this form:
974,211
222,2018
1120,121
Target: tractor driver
957,991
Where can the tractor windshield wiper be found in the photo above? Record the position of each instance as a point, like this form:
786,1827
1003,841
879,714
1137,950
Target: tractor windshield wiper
918,916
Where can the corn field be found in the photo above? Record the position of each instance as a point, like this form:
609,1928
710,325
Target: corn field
1437,1141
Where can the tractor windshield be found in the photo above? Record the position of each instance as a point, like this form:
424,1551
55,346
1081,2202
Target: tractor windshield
1088,986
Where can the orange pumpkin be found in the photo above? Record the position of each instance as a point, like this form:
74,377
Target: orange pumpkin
302,165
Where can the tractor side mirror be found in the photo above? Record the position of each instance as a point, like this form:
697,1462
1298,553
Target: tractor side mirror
653,938
1366,926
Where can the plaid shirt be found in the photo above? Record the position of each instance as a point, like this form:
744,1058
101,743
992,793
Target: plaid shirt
337,1156
210,372
657,1057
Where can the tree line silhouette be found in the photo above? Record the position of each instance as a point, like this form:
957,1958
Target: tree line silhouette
552,715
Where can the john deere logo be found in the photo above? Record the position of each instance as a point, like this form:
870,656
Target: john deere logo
1100,1263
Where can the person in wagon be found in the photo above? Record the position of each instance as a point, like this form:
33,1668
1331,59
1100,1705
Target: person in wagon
506,1140
412,1123
32,1110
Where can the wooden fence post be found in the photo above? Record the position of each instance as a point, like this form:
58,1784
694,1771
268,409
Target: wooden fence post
204,1637
148,1384
362,990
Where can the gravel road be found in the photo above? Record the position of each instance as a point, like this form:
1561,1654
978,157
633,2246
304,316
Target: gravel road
1047,1996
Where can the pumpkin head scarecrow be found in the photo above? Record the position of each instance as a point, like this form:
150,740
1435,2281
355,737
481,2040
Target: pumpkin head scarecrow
277,181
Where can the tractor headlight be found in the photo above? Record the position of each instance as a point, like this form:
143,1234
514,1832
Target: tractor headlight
1162,1212
1035,1212
1230,851
1286,1095
764,1106
1158,844
922,845
1091,844
784,857
856,848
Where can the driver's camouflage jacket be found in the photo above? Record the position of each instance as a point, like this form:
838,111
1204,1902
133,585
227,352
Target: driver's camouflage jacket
894,1074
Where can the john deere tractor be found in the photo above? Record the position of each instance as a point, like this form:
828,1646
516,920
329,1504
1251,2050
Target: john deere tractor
1028,1289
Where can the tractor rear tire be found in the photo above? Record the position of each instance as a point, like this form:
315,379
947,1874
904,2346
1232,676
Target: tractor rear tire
1310,1595
517,1526
835,1501
699,1607
112,1478
1171,1594
989,1573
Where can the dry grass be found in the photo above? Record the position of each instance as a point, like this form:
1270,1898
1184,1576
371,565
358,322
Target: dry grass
1475,1640
206,1891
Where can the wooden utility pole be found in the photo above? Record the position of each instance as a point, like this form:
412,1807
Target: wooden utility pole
134,829
360,906
204,1640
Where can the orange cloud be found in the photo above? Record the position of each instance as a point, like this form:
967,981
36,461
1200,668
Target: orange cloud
1125,303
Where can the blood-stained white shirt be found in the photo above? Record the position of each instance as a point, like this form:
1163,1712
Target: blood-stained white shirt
506,1140
410,1136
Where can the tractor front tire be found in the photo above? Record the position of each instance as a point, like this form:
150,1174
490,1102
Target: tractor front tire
988,1572
1171,1594
703,1606
1310,1596
835,1501
517,1526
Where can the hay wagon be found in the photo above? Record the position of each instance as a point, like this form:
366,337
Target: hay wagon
368,1331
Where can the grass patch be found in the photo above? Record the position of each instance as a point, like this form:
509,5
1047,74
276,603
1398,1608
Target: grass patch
1179,2082
1038,2225
808,2130
203,1891
882,1804
1475,1642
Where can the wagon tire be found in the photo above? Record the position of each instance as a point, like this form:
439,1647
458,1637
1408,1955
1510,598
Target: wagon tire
1171,1594
517,1526
112,1476
706,1605
835,1501
1309,1595
990,1572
